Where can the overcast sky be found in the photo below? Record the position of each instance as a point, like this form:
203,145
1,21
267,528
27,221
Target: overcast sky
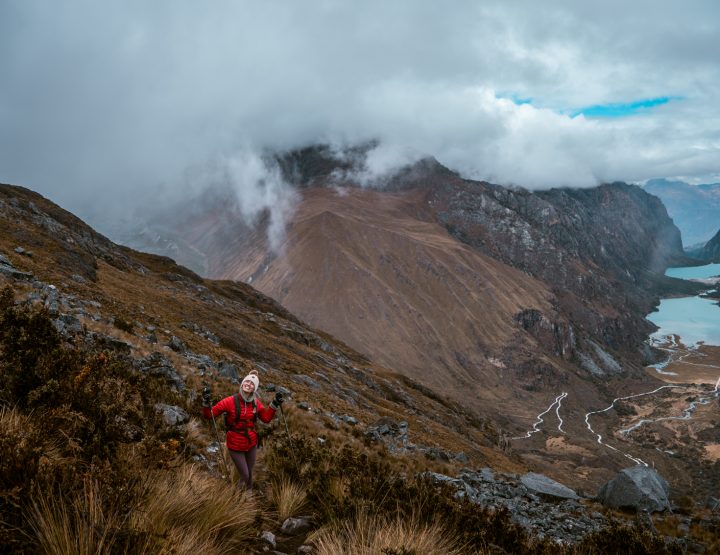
104,101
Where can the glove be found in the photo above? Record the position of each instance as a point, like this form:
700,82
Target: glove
277,401
206,396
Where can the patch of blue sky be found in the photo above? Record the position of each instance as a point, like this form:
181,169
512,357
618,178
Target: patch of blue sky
609,110
622,109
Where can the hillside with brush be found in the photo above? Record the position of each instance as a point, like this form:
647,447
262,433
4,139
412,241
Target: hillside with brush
103,352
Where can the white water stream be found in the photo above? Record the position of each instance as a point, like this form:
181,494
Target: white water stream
680,318
535,429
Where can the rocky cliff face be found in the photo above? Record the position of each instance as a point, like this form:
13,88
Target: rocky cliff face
711,251
599,249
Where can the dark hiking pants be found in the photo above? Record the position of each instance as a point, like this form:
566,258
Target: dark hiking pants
244,462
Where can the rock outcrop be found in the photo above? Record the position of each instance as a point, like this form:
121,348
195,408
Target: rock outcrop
539,504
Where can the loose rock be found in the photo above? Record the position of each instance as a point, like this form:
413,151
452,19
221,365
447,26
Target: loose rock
293,526
269,538
541,484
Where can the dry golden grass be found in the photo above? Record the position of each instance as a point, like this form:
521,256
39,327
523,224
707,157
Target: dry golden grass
187,542
75,526
287,498
193,508
369,535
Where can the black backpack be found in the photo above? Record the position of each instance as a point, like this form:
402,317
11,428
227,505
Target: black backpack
232,426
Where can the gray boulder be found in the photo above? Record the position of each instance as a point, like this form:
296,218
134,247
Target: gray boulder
542,485
7,268
307,380
639,488
228,370
349,419
172,414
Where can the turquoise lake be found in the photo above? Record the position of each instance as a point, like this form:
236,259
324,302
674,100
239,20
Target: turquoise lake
694,272
694,319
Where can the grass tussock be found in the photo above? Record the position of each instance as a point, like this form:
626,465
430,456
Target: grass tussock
191,500
288,498
81,525
371,535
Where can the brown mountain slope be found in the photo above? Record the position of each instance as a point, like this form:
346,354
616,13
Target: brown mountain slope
51,256
375,270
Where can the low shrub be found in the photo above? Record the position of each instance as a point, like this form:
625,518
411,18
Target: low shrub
629,540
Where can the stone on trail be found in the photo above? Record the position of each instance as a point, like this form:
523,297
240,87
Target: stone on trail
294,526
639,488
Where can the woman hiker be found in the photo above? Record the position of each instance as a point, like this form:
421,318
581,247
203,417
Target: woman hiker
241,410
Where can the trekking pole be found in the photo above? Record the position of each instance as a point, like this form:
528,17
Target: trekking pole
287,431
219,451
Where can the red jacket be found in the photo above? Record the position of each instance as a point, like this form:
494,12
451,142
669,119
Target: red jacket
241,435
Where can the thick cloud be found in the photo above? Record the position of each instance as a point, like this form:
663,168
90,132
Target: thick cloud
105,105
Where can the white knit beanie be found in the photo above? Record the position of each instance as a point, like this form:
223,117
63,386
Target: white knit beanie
252,377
